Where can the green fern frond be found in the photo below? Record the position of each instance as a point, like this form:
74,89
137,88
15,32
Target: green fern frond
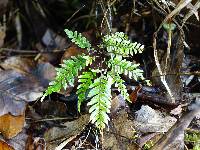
100,102
78,39
122,66
65,75
98,90
119,83
119,45
85,80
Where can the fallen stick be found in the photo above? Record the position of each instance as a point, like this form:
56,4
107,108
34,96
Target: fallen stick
176,131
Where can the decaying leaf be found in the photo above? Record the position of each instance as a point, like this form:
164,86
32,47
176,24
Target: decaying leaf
19,141
174,138
15,90
10,125
45,72
177,111
19,64
71,51
5,146
72,128
22,81
133,96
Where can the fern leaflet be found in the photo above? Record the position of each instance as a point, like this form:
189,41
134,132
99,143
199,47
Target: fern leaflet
65,75
100,102
118,45
85,80
78,39
122,66
119,83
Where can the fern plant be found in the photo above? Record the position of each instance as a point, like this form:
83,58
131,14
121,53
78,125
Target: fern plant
95,83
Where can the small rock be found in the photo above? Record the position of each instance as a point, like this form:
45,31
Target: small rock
150,120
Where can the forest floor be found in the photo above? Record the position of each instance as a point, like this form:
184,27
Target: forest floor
165,115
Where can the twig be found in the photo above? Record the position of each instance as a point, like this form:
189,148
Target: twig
62,145
176,130
73,15
51,119
177,74
190,13
30,51
179,7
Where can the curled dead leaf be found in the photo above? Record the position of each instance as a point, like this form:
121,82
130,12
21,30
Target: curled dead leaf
10,125
5,146
134,95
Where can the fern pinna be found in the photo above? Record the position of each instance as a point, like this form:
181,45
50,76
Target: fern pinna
95,84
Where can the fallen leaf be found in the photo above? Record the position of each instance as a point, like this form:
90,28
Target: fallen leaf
15,90
22,81
120,132
174,137
133,96
10,125
19,141
71,51
5,146
62,145
20,64
51,108
45,72
72,128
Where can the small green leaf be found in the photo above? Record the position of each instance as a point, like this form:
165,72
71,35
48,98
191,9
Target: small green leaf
78,39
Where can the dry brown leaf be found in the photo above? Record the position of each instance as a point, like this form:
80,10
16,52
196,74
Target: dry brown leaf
10,125
5,146
72,51
121,130
45,72
19,141
15,90
54,136
134,95
20,64
24,83
21,82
